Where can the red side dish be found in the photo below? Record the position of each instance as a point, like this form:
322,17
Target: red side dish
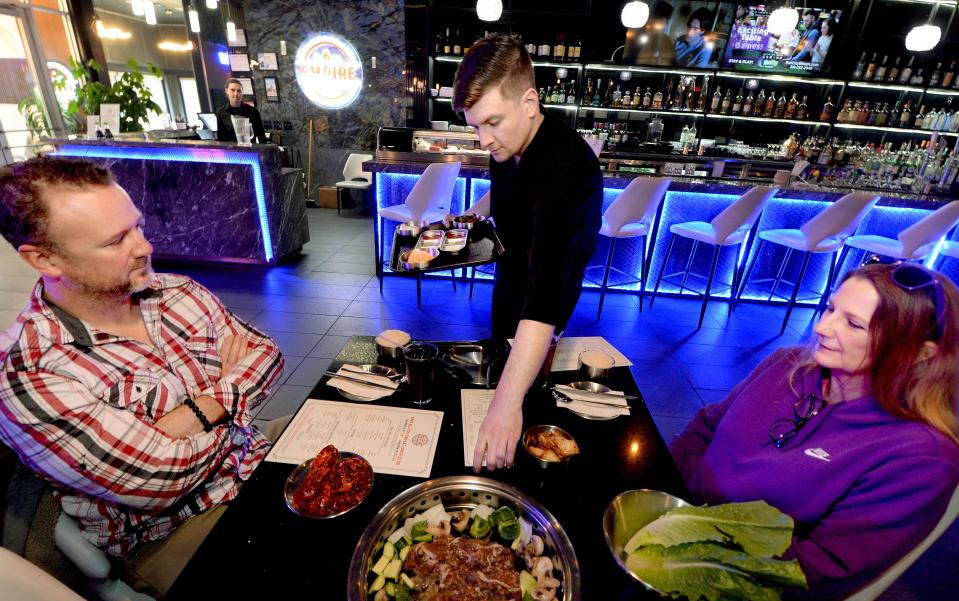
333,484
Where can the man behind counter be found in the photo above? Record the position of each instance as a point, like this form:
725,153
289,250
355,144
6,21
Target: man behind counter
236,108
546,195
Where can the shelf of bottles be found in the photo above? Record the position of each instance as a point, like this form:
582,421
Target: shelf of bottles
779,99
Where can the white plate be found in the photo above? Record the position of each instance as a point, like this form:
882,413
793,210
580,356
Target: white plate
372,396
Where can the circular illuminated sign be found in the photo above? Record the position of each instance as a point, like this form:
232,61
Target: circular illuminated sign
329,71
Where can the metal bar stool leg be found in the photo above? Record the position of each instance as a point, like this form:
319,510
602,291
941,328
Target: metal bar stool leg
339,201
825,292
792,300
662,269
689,263
643,272
472,280
842,258
419,286
709,285
779,274
749,270
602,290
453,278
379,241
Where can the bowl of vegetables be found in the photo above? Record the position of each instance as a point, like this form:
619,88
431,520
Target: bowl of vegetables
463,531
678,549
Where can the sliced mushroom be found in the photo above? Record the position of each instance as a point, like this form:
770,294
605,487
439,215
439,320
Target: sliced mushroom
541,593
441,528
461,520
546,580
381,595
536,542
542,567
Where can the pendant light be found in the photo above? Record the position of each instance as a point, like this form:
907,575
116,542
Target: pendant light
137,6
489,10
635,14
211,4
782,20
923,38
194,19
149,11
230,25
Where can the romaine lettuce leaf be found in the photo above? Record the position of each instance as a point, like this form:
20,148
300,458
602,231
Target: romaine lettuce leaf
713,572
756,527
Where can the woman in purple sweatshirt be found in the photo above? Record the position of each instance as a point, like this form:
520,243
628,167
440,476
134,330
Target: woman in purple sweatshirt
855,437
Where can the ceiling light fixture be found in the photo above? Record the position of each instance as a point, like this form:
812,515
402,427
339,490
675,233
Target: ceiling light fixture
149,11
923,38
109,33
137,6
211,4
186,46
231,31
635,14
489,10
194,19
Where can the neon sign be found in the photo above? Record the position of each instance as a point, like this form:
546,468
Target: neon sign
329,71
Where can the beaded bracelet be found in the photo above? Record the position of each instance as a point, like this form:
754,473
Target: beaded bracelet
199,414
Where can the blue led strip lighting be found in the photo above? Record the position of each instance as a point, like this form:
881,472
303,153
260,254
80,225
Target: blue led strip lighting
188,155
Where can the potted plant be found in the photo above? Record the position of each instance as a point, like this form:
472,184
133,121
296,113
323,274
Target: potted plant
129,91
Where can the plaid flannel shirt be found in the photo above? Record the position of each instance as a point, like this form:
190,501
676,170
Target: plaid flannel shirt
78,406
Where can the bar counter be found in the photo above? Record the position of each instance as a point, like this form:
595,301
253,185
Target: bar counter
688,199
206,200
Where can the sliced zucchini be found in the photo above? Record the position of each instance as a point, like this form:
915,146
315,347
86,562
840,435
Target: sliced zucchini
380,565
392,570
407,581
404,552
389,550
377,584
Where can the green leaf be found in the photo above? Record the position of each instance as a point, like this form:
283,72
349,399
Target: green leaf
713,572
756,527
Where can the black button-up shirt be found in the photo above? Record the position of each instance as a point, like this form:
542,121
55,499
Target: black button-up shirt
224,125
548,210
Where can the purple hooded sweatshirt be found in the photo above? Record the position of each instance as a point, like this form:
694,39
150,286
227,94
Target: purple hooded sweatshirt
862,486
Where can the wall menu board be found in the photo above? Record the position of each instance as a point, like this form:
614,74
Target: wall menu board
803,50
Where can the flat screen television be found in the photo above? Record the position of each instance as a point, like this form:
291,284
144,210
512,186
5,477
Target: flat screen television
688,34
802,51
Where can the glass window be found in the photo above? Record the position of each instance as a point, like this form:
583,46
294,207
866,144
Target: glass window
157,89
191,100
23,118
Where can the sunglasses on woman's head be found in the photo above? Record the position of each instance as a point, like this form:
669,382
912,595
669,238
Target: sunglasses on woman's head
911,277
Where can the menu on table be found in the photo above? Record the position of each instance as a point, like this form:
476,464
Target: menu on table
569,348
395,440
475,402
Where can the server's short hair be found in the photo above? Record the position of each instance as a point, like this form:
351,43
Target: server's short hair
227,83
498,59
24,214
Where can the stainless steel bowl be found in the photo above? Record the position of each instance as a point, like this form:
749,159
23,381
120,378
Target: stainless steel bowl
590,387
296,478
385,343
404,258
456,493
466,222
431,239
627,514
411,228
535,430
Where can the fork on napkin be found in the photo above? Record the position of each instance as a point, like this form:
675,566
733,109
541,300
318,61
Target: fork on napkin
382,386
615,399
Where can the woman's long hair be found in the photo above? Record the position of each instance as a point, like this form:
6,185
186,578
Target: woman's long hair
900,377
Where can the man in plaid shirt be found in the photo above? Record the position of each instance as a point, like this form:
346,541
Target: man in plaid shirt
130,392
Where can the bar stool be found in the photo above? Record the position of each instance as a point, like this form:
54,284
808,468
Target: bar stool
354,178
729,228
824,233
632,215
427,201
913,243
949,250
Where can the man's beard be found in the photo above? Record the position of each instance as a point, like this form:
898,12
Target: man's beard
125,288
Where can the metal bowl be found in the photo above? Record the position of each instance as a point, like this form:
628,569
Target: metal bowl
385,343
627,514
456,493
431,239
590,387
466,222
533,431
411,228
404,258
296,478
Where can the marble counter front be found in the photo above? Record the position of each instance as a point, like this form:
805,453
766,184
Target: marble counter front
206,200
690,199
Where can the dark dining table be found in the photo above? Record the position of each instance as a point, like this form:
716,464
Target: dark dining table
260,548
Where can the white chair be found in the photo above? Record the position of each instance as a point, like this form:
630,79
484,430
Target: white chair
427,201
913,243
731,227
23,581
949,250
824,233
354,178
632,215
875,588
92,562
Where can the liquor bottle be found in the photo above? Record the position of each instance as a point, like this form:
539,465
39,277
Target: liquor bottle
689,101
802,110
880,74
856,111
860,67
759,103
845,114
930,120
544,51
438,44
905,117
748,105
894,115
907,71
457,48
870,115
577,51
727,102
791,107
917,78
597,97
667,102
543,95
870,68
617,99
559,50
920,117
738,104
949,75
678,98
608,99
770,105
893,73
588,95
637,97
626,100
936,76
447,43
780,109
657,100
648,98
883,117
571,94
827,109
701,103
716,100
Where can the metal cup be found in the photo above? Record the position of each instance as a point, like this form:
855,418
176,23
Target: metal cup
595,365
420,358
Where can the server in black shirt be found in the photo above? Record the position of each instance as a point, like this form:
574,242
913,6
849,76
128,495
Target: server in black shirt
224,125
546,199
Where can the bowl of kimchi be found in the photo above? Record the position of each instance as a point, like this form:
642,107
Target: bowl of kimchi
329,485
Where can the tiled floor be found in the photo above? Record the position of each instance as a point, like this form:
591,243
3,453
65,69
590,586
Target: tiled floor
313,304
